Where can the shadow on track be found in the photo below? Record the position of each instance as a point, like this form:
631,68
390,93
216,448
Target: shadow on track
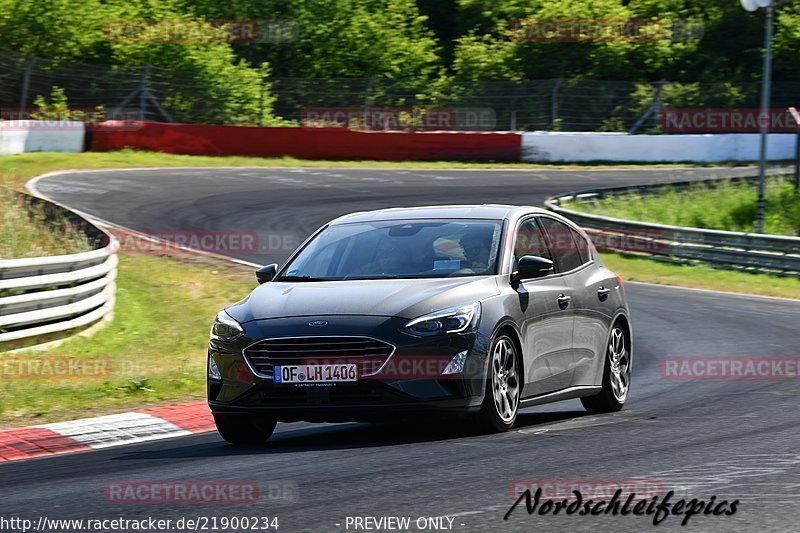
349,436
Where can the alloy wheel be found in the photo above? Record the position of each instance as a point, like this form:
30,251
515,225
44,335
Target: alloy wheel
505,382
619,362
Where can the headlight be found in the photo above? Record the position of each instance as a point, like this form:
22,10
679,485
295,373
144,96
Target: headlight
451,320
225,328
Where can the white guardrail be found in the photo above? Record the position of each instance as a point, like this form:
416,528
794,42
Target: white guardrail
774,254
43,296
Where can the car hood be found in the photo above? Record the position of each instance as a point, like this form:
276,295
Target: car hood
406,298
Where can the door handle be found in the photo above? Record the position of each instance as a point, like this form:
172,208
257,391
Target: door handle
563,301
602,293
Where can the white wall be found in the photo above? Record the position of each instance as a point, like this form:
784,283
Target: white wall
706,148
20,136
12,139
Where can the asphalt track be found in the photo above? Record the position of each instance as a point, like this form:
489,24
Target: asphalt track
736,440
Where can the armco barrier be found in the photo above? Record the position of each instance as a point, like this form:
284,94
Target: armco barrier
43,296
21,136
305,143
575,147
728,249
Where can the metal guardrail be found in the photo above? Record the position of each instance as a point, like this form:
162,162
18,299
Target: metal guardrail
43,296
774,254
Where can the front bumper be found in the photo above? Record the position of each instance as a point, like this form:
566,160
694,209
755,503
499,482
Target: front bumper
364,402
394,392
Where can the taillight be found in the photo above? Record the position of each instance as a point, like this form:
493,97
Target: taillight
619,280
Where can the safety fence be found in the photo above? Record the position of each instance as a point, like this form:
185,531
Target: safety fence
43,298
727,249
150,93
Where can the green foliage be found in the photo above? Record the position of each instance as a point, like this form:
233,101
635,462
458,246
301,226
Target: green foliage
57,103
208,76
337,38
723,206
430,44
483,58
56,107
216,85
53,29
365,38
136,386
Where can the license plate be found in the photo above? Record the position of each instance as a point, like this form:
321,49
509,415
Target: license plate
315,373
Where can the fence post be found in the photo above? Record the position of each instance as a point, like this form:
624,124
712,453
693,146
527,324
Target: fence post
513,125
144,96
796,117
797,161
143,92
26,81
654,109
261,102
554,103
368,92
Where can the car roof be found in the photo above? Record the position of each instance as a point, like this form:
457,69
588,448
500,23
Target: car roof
485,212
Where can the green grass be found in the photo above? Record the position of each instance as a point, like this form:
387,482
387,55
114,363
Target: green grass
25,232
701,277
156,345
725,206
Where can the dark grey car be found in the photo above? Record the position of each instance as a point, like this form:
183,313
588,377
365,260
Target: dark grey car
473,311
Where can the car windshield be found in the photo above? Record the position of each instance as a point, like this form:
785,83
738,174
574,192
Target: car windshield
398,249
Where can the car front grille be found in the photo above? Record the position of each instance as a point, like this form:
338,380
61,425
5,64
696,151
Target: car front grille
368,353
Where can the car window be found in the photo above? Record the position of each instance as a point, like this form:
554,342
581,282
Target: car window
529,240
583,246
399,249
565,251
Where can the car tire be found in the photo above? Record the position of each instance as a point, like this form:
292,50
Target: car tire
616,375
244,431
503,387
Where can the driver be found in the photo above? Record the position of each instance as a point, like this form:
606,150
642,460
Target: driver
476,249
389,259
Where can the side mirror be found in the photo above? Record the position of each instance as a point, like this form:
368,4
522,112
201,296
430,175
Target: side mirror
530,267
267,273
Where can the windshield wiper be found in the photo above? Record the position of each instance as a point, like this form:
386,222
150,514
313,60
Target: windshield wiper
299,278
